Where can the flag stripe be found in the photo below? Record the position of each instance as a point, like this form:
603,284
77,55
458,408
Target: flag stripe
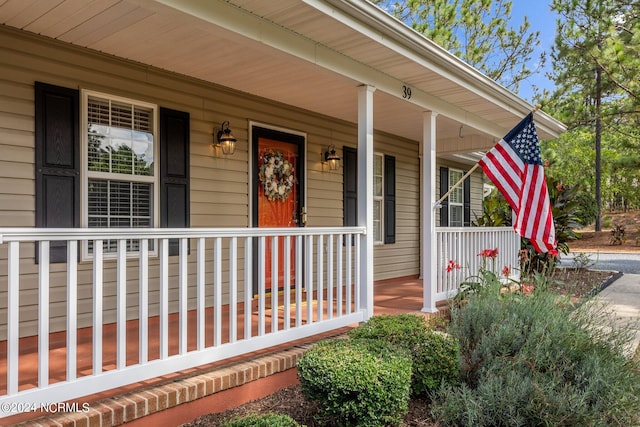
515,167
506,175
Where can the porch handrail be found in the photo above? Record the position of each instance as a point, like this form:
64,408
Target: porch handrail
24,234
462,245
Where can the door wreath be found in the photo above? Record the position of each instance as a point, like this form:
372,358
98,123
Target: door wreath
277,176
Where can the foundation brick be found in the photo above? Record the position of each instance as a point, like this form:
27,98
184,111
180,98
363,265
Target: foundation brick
152,402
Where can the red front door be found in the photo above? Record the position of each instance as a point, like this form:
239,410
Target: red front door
278,160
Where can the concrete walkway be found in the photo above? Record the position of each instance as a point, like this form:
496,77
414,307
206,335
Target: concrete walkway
623,298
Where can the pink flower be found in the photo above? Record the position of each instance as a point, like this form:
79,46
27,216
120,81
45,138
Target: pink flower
489,253
526,289
553,253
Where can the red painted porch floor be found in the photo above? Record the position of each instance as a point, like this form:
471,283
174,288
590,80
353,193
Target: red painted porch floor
220,385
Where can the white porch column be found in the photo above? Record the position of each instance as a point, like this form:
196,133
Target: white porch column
429,247
365,194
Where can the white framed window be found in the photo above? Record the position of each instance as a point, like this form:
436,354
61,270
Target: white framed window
456,199
119,165
378,198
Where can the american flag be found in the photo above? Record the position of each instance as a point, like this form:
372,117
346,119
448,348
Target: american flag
514,165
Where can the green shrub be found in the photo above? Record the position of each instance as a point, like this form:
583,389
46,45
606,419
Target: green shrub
357,382
534,361
267,420
406,330
435,355
436,361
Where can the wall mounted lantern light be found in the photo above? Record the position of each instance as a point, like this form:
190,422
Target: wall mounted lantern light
331,158
224,139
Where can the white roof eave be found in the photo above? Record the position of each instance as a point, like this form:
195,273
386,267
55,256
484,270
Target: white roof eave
376,25
418,48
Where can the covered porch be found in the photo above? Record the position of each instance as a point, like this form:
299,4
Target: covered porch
221,308
274,365
88,307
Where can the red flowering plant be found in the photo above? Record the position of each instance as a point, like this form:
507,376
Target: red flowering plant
526,289
487,278
451,268
506,271
491,254
452,265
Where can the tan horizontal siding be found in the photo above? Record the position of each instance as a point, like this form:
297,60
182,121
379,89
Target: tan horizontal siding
403,257
219,184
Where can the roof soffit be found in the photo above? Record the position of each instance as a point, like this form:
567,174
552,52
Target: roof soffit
319,47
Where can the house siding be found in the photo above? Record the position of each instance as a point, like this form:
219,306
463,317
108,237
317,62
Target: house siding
219,185
402,257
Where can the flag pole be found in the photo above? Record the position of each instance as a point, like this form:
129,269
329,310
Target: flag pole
456,185
438,204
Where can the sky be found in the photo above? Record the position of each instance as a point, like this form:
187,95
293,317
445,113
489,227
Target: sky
541,19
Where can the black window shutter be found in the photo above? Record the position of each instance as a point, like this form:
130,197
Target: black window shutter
174,172
350,186
389,199
467,201
444,187
57,151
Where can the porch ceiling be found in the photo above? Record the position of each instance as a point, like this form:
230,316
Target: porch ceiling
311,54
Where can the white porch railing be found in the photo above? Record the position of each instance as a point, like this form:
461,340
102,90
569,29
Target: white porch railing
218,278
462,246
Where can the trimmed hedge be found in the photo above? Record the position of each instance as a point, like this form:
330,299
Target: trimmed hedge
435,356
357,382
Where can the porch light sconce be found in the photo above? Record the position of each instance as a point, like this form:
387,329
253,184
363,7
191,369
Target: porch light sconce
331,158
225,140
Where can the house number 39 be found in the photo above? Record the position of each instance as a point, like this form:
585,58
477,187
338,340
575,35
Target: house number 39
406,92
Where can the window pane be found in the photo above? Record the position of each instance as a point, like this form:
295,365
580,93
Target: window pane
456,195
121,115
98,111
377,165
119,199
141,200
377,186
121,153
455,216
143,119
120,137
377,221
98,152
378,192
119,204
98,199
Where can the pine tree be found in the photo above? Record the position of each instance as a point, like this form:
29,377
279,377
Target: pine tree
477,31
595,68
